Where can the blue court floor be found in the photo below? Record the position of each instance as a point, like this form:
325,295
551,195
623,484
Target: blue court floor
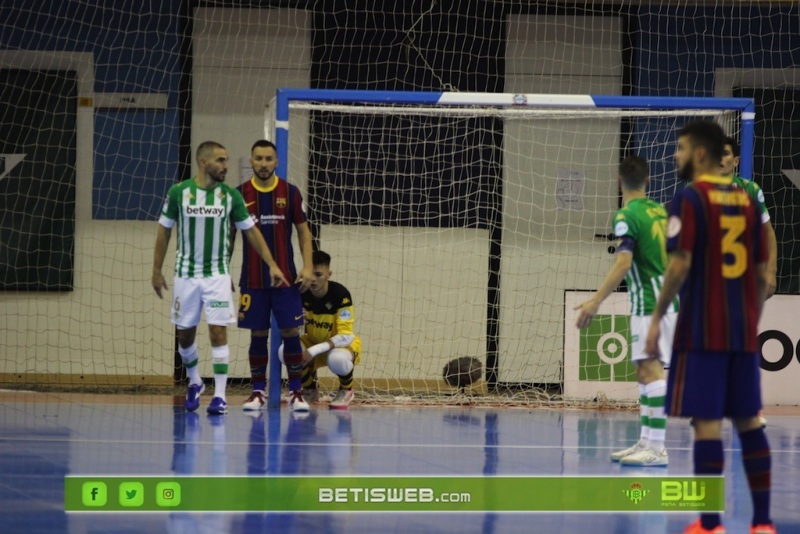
41,442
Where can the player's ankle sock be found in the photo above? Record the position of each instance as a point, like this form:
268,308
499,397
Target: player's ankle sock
219,358
657,421
190,360
709,459
758,466
293,356
346,381
308,378
259,357
644,416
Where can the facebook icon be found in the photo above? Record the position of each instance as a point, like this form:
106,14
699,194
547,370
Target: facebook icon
94,494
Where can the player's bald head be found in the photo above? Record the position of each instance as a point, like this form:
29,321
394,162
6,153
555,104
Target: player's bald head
206,150
633,173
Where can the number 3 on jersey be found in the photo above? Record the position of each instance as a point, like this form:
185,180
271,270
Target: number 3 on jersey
733,226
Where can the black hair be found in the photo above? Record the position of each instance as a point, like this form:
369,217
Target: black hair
708,135
204,147
734,144
321,258
633,173
263,143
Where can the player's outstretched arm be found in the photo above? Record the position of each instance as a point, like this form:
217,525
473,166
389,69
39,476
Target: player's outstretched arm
162,241
772,264
255,238
680,262
589,308
305,239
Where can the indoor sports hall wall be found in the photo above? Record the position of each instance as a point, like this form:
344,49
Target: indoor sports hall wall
111,324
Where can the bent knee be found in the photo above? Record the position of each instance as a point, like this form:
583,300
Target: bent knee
340,362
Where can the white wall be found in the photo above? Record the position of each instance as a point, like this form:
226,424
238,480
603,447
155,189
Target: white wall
111,324
546,249
420,295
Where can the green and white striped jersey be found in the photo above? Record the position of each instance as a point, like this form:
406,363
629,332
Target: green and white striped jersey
755,192
644,221
203,217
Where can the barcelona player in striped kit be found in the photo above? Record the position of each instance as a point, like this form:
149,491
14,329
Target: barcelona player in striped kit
718,262
276,206
730,160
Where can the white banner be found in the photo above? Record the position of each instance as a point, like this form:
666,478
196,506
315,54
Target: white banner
597,360
780,349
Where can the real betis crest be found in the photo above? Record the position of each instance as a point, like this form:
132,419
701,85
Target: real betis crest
636,493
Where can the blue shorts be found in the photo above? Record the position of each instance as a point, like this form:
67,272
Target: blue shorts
256,305
714,385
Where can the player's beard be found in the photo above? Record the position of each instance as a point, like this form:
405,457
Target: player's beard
267,177
685,174
218,177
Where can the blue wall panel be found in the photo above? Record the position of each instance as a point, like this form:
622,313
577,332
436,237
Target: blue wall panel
136,47
134,164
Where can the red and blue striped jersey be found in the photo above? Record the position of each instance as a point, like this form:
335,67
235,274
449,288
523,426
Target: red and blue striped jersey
275,210
719,225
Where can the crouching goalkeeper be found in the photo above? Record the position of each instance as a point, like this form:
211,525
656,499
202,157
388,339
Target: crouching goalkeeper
329,339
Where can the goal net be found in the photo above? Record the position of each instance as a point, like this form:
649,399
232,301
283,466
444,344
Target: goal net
457,228
470,225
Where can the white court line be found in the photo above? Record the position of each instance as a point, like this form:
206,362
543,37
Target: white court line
376,445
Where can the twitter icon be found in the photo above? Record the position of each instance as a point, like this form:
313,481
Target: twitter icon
131,494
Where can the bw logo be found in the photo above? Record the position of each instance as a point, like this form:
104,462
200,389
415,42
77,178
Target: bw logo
675,490
636,493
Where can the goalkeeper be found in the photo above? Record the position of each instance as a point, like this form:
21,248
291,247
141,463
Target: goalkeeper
329,339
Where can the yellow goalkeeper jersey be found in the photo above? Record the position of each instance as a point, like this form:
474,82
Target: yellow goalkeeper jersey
329,315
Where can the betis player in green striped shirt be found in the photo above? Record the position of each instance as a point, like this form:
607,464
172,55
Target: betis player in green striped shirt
641,259
202,210
730,160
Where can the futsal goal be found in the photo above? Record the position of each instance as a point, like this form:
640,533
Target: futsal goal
468,224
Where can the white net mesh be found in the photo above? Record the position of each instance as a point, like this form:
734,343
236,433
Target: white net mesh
462,232
101,106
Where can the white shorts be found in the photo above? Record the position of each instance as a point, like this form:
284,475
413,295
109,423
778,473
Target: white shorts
640,326
191,295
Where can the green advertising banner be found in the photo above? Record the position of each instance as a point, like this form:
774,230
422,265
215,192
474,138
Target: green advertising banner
394,494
